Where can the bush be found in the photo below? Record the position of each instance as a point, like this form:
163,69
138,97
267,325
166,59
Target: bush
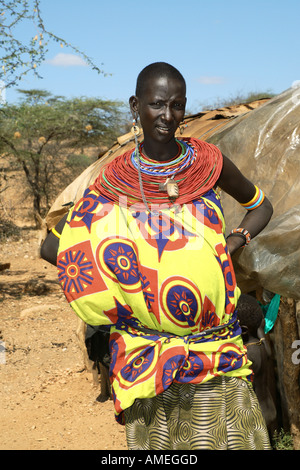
8,230
282,440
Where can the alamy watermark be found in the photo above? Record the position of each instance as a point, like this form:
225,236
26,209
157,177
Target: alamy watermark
296,354
161,223
2,352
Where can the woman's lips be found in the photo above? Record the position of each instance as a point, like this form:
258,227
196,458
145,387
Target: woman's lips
164,129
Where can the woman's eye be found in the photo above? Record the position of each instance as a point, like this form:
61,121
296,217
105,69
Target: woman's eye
161,104
157,104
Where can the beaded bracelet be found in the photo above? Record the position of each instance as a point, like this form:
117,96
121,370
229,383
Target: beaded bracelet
241,232
55,232
256,201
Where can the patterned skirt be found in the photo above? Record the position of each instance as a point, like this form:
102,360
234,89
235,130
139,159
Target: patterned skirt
221,414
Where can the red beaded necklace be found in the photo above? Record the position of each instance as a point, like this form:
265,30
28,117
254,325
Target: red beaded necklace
121,177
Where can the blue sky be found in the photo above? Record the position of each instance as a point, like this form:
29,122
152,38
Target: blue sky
221,47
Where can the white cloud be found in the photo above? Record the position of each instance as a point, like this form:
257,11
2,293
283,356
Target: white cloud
67,60
207,80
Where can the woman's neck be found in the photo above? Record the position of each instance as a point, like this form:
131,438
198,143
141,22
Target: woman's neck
160,152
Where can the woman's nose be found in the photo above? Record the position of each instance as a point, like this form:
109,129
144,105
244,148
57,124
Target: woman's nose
167,114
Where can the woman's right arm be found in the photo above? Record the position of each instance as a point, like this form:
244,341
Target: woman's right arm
49,247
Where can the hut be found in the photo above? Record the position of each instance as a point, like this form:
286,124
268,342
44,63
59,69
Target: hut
262,139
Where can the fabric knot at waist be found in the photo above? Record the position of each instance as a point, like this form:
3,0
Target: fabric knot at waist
146,361
205,335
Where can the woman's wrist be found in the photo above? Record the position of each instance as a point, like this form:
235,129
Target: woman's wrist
234,242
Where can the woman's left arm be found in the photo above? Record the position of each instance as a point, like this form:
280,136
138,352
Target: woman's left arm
50,245
234,183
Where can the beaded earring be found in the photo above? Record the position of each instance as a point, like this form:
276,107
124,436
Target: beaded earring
135,128
182,127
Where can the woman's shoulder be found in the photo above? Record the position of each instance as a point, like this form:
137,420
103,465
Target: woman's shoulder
202,145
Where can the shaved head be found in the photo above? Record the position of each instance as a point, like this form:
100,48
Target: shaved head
156,70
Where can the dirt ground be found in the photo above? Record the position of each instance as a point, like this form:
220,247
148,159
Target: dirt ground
48,400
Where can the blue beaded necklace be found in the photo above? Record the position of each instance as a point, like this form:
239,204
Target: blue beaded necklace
147,166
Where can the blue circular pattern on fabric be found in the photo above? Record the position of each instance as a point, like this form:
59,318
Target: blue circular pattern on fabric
138,366
182,304
120,258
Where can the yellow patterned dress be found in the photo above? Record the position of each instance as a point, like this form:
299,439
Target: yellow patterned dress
163,284
158,281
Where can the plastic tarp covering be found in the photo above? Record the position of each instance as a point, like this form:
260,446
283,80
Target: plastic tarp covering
265,145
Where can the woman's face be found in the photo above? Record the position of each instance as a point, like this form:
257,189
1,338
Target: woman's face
161,108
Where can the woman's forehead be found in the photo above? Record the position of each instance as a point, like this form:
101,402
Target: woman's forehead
164,86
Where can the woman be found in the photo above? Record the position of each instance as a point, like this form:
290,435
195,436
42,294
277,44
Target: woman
144,253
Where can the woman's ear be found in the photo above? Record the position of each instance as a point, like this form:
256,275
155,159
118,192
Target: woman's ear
133,103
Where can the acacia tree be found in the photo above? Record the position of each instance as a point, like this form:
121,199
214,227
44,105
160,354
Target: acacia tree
19,56
47,135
